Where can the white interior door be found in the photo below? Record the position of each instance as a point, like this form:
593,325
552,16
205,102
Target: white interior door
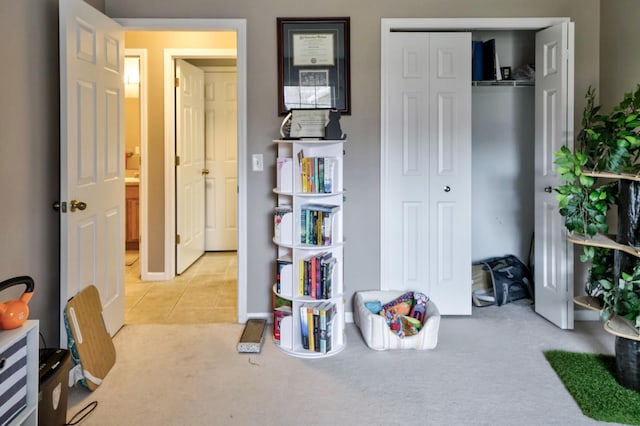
190,164
426,167
554,128
221,135
91,159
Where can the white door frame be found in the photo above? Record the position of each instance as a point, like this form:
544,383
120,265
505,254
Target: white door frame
144,160
239,26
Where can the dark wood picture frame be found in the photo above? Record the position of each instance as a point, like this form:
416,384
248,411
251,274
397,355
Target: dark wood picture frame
314,64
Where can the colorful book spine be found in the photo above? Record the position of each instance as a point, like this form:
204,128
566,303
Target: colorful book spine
326,315
281,309
316,174
317,223
281,264
316,274
278,216
316,327
301,273
304,327
329,164
313,276
310,325
316,323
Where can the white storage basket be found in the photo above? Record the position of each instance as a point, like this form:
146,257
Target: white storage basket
377,333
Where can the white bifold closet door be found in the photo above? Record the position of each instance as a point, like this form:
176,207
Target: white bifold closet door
426,210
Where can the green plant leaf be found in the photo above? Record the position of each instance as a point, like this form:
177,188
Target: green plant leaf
575,189
587,181
606,284
622,143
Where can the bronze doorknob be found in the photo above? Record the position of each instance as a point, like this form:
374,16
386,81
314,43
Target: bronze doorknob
77,205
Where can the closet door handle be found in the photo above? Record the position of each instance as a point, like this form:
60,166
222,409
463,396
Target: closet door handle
447,188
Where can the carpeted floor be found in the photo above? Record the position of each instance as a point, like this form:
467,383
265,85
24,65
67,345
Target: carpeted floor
488,369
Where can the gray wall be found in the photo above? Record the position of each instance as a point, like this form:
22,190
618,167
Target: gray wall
362,163
29,121
29,152
502,174
620,61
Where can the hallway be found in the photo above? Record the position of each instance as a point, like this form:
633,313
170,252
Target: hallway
204,293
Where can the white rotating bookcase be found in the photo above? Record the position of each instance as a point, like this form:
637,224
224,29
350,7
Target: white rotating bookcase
309,238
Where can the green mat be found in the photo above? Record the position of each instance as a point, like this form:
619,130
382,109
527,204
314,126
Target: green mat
590,379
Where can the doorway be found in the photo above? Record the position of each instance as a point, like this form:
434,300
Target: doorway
210,61
146,299
167,255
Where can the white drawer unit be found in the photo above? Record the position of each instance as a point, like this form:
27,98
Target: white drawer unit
19,375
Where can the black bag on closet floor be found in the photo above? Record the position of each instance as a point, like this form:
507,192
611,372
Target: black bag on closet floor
500,280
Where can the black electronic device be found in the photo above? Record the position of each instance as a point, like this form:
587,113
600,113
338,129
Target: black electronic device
54,385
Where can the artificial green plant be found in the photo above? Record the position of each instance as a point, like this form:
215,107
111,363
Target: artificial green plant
607,143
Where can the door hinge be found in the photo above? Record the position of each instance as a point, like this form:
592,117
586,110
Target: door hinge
177,82
177,160
177,239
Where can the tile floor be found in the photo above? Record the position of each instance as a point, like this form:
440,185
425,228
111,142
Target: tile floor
204,293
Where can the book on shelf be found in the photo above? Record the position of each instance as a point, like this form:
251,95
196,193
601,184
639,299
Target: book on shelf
316,327
310,327
281,310
316,224
283,273
282,224
316,323
326,314
313,282
491,64
284,174
304,326
477,69
302,273
316,174
328,266
316,275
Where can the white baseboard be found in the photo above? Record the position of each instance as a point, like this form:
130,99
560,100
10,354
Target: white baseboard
155,276
579,315
348,316
261,315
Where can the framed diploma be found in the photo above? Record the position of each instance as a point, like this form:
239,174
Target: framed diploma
313,64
